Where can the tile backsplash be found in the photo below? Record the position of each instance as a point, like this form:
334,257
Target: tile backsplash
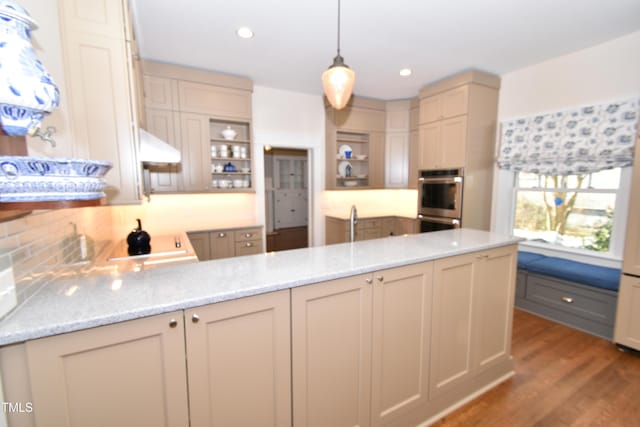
34,245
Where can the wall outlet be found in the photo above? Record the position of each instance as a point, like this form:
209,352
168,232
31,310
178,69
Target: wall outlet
7,291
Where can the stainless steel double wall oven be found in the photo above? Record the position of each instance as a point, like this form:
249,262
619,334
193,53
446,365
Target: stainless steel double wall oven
440,199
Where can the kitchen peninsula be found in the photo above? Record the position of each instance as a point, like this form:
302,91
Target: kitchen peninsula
396,331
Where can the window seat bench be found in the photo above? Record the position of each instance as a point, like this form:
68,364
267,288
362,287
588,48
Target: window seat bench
583,296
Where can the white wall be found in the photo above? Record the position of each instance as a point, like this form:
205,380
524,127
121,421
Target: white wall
605,72
291,120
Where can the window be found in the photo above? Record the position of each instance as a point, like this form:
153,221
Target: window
574,211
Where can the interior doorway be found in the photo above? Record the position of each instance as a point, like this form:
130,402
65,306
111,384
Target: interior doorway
286,188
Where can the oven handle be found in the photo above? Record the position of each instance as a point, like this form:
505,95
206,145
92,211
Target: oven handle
447,180
451,221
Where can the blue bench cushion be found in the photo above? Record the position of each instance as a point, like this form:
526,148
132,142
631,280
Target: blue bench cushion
525,258
588,274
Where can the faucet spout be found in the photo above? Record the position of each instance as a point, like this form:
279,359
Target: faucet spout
353,219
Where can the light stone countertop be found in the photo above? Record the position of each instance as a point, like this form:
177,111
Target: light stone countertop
100,297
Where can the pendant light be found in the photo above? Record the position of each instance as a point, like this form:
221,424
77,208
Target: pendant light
338,79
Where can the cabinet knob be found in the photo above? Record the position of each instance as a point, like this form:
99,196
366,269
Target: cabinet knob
368,281
173,323
568,300
379,278
195,318
247,235
248,245
222,235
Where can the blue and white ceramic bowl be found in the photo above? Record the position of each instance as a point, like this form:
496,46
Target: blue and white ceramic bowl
27,91
32,179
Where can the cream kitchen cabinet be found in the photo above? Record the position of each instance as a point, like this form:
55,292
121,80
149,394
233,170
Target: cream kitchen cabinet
239,362
133,373
457,127
472,316
100,80
225,243
442,144
360,127
627,327
450,103
360,349
125,374
203,104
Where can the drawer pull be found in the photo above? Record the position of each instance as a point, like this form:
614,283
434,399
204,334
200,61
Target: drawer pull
568,300
195,318
248,245
247,235
221,235
173,323
379,278
369,281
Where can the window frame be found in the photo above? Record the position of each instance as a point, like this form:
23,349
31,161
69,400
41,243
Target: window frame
616,247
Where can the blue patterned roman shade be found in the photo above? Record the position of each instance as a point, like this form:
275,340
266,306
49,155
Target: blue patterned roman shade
578,141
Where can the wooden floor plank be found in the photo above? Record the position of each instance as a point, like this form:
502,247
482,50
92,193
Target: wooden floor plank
564,377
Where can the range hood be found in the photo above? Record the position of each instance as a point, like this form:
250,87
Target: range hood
153,150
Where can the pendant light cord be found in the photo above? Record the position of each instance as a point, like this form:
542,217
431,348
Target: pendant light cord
338,27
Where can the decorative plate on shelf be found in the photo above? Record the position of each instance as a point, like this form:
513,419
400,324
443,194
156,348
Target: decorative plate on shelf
343,167
33,179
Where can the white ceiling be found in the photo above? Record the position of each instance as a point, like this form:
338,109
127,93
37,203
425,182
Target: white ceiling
295,40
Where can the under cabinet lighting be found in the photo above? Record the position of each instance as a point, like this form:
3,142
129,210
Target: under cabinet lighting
244,33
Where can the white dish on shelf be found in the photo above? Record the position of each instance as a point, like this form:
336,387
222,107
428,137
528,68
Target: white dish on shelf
361,156
342,168
361,176
343,149
350,183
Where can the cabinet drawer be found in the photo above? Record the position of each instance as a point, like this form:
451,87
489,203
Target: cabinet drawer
248,247
578,300
248,234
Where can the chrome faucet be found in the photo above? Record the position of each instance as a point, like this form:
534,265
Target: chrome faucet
353,219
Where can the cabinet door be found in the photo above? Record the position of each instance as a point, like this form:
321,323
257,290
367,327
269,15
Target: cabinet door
165,125
401,333
331,353
627,330
239,359
430,109
376,160
397,160
126,374
454,102
251,247
160,93
200,243
429,146
100,105
222,244
196,152
216,101
453,137
451,361
493,302
99,17
631,263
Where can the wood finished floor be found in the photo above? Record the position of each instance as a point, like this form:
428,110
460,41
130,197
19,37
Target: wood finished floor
564,377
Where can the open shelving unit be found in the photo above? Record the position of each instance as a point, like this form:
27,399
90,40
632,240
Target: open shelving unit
238,153
358,176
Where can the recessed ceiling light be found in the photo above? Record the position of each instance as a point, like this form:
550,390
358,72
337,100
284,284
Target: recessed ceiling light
406,72
244,33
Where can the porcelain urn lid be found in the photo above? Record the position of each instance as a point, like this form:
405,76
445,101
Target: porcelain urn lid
27,91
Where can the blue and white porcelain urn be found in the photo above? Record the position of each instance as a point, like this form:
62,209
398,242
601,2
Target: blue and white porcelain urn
27,92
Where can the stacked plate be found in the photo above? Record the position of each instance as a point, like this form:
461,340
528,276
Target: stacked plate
33,179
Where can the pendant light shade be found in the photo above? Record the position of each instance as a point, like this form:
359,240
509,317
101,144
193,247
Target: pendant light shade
338,79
